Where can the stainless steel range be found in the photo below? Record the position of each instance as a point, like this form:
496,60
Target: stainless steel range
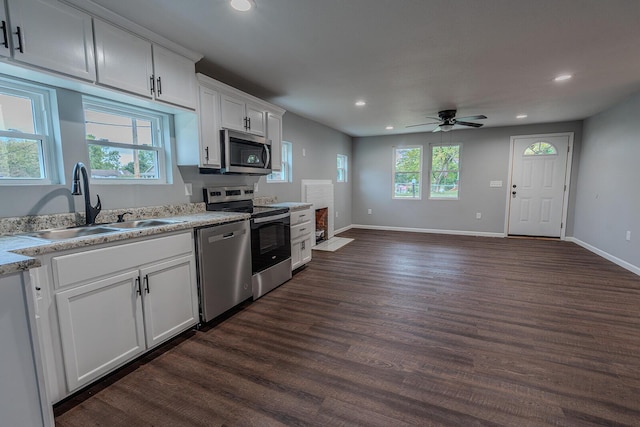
270,235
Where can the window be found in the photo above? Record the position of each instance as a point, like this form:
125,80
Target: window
284,175
540,149
125,143
27,152
407,172
445,172
342,168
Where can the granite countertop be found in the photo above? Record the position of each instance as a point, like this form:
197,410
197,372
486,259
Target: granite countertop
17,251
293,206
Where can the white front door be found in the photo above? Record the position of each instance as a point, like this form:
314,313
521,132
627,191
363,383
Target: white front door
537,190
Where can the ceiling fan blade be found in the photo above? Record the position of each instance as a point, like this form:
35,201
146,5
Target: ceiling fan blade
423,124
475,125
437,129
479,117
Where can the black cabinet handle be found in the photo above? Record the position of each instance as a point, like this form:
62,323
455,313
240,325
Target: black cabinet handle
206,153
249,120
5,42
19,34
153,84
146,283
159,86
138,289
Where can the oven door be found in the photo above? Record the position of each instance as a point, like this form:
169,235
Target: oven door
246,154
270,241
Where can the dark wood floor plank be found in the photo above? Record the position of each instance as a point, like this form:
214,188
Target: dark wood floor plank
403,329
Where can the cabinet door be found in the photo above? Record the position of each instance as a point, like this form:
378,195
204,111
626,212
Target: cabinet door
175,78
305,250
100,327
256,120
232,113
53,36
296,254
5,31
274,133
208,116
123,59
170,299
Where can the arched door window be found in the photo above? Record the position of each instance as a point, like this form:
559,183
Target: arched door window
540,148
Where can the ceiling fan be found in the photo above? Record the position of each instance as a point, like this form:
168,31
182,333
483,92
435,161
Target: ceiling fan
447,119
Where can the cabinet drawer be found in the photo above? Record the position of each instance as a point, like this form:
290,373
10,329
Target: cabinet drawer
300,230
298,217
77,267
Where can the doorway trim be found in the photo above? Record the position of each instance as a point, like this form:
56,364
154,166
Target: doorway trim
567,180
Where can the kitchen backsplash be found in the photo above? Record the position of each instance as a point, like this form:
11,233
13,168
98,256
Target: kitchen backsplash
26,224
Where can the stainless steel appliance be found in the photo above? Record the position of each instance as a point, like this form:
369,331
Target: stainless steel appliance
244,153
224,267
270,235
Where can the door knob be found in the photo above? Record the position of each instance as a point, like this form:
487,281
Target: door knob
514,193
514,186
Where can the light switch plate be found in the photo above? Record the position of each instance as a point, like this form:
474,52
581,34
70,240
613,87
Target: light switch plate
495,183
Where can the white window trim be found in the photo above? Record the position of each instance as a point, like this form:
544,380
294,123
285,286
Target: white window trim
346,168
161,121
42,99
287,166
448,144
393,172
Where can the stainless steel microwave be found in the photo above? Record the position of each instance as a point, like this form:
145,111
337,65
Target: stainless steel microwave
243,153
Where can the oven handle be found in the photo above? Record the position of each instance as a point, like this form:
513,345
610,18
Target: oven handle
270,218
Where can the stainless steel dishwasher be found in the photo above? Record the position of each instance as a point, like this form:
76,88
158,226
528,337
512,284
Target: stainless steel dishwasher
224,267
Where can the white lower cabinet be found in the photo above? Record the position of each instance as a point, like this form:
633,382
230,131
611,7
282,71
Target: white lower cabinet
302,235
115,303
100,327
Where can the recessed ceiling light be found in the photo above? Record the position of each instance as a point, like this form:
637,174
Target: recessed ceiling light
521,116
389,128
360,103
562,77
242,5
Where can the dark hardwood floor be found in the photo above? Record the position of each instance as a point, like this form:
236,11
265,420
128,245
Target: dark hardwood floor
399,329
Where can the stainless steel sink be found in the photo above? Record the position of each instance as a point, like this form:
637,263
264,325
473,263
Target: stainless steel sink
70,233
142,223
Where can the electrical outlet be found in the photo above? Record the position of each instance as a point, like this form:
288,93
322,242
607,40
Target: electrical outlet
628,235
369,212
304,152
336,214
188,189
478,215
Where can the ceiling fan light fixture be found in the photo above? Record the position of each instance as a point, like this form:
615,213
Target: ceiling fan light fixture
243,5
446,127
389,128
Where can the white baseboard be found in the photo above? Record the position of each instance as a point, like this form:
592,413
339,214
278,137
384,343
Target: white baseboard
342,230
427,230
622,263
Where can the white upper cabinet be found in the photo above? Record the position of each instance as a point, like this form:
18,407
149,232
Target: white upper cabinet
124,60
240,115
5,49
130,63
209,121
274,134
50,35
175,78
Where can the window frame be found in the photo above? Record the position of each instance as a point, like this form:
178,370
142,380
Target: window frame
345,160
393,175
42,105
161,142
287,165
448,144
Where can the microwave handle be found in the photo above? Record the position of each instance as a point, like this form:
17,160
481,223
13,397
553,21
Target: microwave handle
268,162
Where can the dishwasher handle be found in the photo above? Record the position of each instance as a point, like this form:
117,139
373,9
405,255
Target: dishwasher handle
225,236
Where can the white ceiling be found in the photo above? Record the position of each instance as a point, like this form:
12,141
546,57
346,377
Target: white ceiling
408,59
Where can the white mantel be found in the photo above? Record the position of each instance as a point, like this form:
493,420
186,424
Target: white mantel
319,192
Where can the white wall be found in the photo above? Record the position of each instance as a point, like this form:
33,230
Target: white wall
321,145
608,198
484,158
